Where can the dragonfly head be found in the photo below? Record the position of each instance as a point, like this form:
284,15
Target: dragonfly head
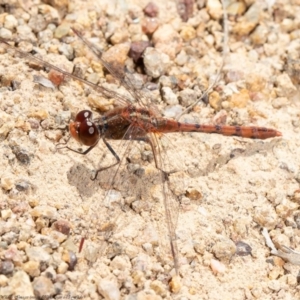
83,129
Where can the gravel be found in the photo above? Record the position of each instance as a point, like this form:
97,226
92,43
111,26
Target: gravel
227,188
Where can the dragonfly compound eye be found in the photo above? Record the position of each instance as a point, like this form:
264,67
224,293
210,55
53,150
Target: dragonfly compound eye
83,115
84,130
88,133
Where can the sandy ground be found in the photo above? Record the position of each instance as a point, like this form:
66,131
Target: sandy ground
225,189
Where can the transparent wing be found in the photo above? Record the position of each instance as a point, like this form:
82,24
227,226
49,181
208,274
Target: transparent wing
122,100
136,207
126,82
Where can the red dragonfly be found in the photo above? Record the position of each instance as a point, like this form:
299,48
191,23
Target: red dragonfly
134,119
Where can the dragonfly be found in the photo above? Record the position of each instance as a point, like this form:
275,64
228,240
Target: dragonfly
135,119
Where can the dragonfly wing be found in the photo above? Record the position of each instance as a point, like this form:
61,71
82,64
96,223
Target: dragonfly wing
122,100
125,81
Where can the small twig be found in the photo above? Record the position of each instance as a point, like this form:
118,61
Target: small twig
286,253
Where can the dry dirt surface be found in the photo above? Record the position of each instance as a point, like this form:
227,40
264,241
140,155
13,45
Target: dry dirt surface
222,191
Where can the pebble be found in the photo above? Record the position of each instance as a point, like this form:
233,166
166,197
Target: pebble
6,267
132,251
158,287
121,263
120,36
91,251
243,249
49,273
169,96
286,209
187,97
280,102
185,9
10,22
62,30
169,81
148,248
274,285
50,14
108,289
25,33
44,211
236,8
181,58
44,36
5,33
32,268
193,194
265,216
296,196
13,254
38,114
21,285
291,280
167,40
5,226
138,278
214,9
175,284
240,227
239,100
43,287
62,268
61,278
156,62
117,55
70,258
58,287
103,104
149,25
7,125
137,49
287,25
3,281
151,10
215,100
23,186
66,50
6,213
188,33
249,20
56,235
38,254
278,261
217,266
224,250
284,86
275,273
260,35
37,23
23,156
141,262
43,240
62,226
69,245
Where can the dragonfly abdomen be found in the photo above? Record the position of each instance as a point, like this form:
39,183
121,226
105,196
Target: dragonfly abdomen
253,132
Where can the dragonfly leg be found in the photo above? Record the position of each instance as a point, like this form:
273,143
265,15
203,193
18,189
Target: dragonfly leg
113,153
76,151
89,149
